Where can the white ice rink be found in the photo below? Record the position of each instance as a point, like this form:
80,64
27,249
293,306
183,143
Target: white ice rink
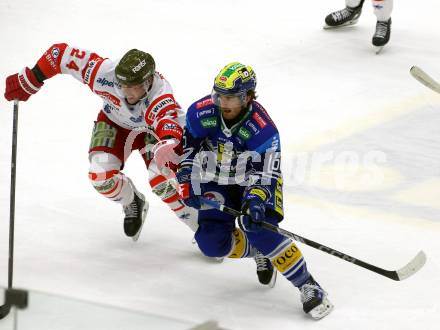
335,103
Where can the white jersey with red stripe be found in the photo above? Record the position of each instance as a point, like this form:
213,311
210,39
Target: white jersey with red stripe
158,110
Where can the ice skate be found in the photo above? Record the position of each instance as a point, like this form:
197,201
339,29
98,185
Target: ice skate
266,272
314,299
382,35
344,17
135,214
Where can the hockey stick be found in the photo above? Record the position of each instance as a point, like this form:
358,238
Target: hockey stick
398,275
4,309
425,79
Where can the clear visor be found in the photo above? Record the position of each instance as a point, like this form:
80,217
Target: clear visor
215,96
138,91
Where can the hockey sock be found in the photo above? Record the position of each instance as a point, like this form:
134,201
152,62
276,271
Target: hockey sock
289,261
241,248
114,185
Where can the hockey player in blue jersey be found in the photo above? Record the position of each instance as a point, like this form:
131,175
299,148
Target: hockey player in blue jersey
232,151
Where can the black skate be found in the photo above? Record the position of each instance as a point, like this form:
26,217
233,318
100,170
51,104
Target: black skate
343,17
135,214
382,34
314,299
267,274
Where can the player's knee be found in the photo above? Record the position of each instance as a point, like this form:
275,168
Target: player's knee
214,240
104,172
241,246
265,240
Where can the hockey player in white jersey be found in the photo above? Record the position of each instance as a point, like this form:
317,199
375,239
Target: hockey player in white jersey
350,15
139,112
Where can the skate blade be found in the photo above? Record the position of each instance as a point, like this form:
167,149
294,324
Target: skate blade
144,215
349,23
322,309
378,49
273,280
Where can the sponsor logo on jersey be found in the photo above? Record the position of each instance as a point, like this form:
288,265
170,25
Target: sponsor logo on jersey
159,104
169,126
137,119
55,52
275,143
253,127
139,66
108,108
264,112
89,71
49,58
244,133
260,121
279,196
204,103
225,152
205,112
110,97
214,196
104,82
163,103
209,122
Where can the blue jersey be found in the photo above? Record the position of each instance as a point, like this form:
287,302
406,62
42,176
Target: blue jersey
246,154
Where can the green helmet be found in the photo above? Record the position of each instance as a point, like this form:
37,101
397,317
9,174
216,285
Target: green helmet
134,68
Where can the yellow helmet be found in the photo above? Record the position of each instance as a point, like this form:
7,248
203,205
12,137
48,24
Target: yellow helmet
234,79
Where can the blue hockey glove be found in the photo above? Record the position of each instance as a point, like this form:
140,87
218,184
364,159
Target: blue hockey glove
254,210
186,191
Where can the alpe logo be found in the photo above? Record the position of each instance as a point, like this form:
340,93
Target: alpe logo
104,82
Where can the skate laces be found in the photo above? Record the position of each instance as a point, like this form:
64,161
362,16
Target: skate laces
131,210
381,29
342,14
310,291
261,261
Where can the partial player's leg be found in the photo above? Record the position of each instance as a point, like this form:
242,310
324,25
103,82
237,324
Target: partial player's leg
347,16
266,272
106,157
242,248
289,261
218,237
165,188
382,10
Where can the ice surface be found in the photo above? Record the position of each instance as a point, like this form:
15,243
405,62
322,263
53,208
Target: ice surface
332,98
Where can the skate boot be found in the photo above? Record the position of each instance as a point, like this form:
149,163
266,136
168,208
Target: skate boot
314,299
343,17
135,214
382,34
266,272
